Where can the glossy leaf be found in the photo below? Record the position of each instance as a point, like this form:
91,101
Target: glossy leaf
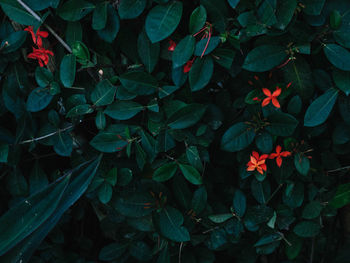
201,73
237,137
67,70
129,9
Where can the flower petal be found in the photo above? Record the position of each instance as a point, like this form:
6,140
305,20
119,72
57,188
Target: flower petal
267,92
277,92
256,155
266,102
264,167
279,161
278,148
286,154
276,103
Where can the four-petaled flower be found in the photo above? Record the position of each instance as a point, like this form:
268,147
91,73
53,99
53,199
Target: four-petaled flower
37,36
257,162
278,155
172,45
272,97
41,54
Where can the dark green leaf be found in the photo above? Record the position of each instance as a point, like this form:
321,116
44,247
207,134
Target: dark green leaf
43,76
67,70
123,110
183,51
201,73
63,143
264,58
148,52
112,251
74,10
233,3
129,9
302,163
108,142
239,203
162,20
186,116
17,13
14,41
319,110
220,218
99,16
4,151
237,137
105,192
338,56
199,200
110,31
281,124
165,172
208,47
307,229
191,174
197,19
134,205
342,80
313,7
38,99
312,210
140,83
341,197
104,93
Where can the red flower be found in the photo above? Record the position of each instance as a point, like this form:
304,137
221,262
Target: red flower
41,54
272,97
278,155
37,37
188,65
172,45
257,162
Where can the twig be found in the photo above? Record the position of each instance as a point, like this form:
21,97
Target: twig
64,44
46,136
312,250
273,194
211,229
339,169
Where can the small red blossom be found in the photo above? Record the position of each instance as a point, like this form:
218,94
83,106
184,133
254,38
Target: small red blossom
172,45
288,85
188,65
256,99
41,54
271,97
37,36
278,155
257,162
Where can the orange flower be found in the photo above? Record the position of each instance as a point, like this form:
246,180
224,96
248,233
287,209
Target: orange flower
278,155
41,54
37,37
272,97
257,162
172,45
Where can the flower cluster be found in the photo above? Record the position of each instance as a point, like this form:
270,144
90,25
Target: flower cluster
257,162
40,53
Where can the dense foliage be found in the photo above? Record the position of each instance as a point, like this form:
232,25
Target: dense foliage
174,131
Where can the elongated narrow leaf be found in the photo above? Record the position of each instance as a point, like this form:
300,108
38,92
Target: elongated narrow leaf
319,110
67,70
17,13
197,19
338,56
201,73
24,218
165,172
108,142
123,110
187,116
148,51
191,174
183,51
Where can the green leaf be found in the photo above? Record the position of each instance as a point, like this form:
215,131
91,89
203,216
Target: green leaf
74,33
264,142
112,251
167,90
129,9
183,51
302,163
335,19
187,116
141,251
63,144
67,70
165,172
14,41
25,217
268,239
338,56
220,218
199,200
125,177
224,57
307,229
4,151
342,80
319,110
169,222
17,13
38,99
293,196
162,20
133,205
148,52
74,10
123,110
341,197
43,76
237,137
100,120
112,176
79,110
201,73
202,44
103,94
105,192
239,203
294,250
140,83
108,142
312,210
233,3
99,16
261,190
110,31
281,124
197,19
284,13
191,174
313,7
38,179
266,13
194,158
264,58
299,73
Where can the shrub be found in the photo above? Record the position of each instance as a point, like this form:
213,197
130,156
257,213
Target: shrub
174,131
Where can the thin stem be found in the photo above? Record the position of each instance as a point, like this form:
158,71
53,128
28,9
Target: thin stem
46,136
312,250
64,44
273,194
339,169
180,251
